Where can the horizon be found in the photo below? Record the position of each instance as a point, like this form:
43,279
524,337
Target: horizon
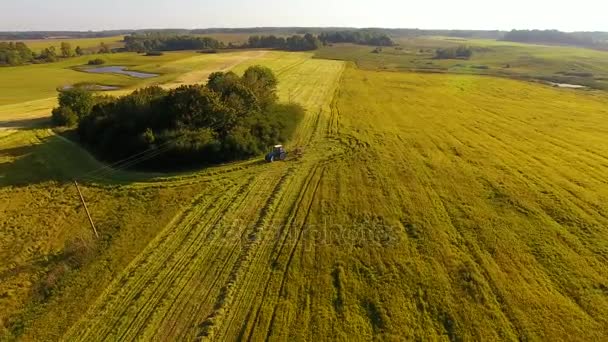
300,27
69,15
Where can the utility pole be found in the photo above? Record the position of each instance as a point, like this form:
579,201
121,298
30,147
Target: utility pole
86,209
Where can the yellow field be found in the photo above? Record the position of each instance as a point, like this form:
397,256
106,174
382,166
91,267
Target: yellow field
433,207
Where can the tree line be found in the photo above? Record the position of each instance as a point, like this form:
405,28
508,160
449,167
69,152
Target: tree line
229,118
304,42
460,52
550,37
147,42
309,41
362,37
18,53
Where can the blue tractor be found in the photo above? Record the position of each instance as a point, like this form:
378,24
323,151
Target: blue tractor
278,153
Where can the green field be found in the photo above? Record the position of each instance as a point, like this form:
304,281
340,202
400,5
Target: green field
424,207
526,61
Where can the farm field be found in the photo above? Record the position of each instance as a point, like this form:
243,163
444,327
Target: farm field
425,206
527,61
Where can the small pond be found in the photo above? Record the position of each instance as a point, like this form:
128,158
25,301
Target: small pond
119,70
94,87
567,85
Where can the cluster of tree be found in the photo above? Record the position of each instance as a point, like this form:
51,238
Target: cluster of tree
96,61
363,37
460,52
167,42
18,53
15,54
229,118
549,37
304,42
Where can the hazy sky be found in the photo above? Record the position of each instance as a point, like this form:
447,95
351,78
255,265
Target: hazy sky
567,15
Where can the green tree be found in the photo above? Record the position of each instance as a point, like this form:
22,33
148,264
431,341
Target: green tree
223,82
66,50
263,83
64,116
48,54
104,48
79,51
195,106
77,99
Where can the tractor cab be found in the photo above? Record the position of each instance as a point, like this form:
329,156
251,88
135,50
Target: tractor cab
278,153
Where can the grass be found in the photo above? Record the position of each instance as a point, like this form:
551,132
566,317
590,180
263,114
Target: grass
537,62
36,83
425,206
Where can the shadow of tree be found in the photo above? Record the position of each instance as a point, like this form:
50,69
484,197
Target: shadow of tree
26,123
39,156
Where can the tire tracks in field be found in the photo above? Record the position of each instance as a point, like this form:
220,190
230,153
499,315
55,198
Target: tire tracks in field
150,266
302,228
269,258
225,300
184,268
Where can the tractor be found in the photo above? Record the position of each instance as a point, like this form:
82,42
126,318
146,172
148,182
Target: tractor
278,153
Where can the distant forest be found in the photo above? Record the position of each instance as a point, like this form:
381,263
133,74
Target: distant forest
587,39
158,41
144,42
294,43
364,37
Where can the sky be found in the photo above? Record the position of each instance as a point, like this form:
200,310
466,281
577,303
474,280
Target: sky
82,15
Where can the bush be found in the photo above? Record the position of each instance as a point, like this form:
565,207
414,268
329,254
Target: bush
64,116
154,53
80,100
96,61
461,52
74,104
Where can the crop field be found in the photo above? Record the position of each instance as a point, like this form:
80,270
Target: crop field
424,206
